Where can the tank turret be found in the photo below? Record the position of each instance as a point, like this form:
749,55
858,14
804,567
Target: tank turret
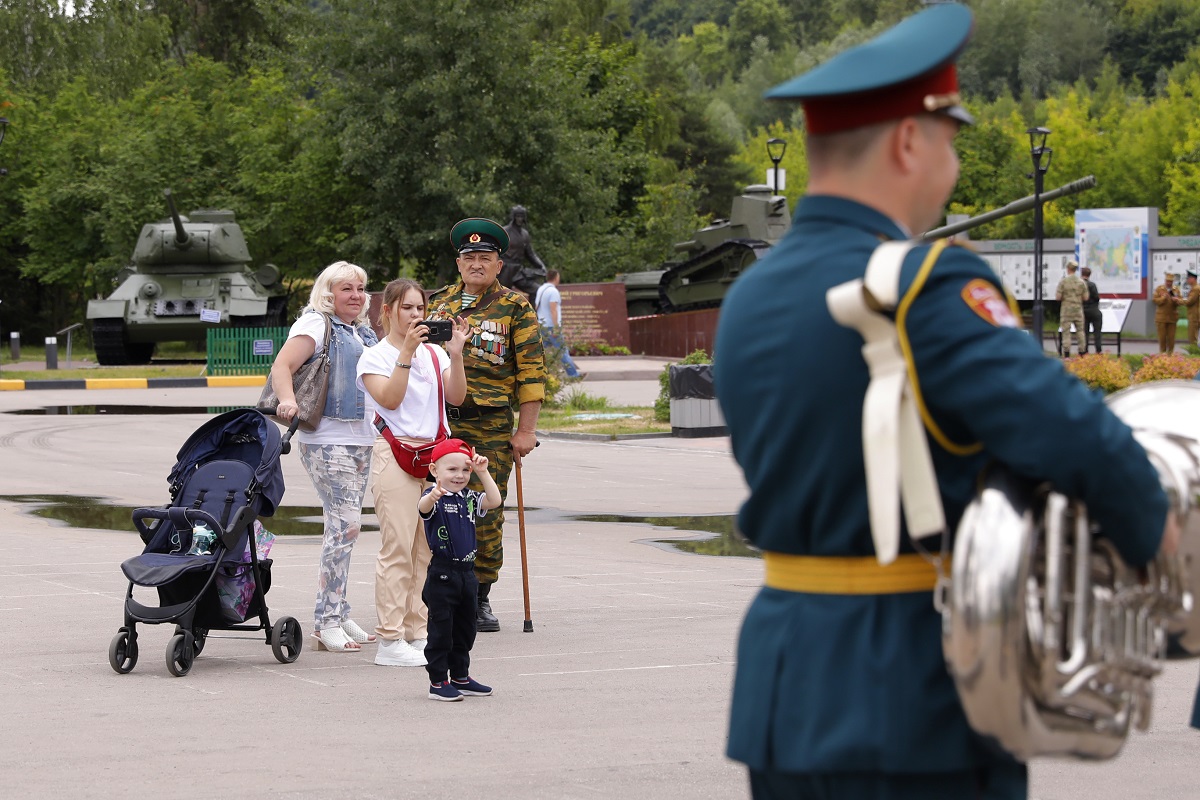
715,256
186,275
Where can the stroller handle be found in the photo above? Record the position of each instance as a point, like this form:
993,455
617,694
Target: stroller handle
285,445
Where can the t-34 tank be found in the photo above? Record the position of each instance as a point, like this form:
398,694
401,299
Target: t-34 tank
718,254
181,267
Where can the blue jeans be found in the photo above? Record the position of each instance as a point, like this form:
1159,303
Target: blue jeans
552,338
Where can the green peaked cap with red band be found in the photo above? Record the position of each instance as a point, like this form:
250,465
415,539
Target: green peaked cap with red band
477,233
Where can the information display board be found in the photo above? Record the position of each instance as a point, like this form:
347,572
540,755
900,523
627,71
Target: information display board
595,313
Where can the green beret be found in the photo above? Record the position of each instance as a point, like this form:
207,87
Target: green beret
477,233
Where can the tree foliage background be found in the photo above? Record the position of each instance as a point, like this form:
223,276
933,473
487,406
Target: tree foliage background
363,129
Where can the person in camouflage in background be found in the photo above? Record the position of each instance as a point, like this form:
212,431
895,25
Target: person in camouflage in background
1071,292
1166,315
505,368
1192,304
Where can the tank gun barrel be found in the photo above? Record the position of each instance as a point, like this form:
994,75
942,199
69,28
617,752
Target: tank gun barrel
181,236
1015,207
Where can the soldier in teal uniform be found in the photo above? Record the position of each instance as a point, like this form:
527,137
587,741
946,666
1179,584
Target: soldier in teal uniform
841,690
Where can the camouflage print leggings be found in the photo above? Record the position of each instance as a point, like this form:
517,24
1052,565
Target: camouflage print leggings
339,474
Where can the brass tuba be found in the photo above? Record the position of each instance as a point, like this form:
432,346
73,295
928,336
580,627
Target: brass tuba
1051,639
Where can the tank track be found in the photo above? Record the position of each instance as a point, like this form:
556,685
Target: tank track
113,347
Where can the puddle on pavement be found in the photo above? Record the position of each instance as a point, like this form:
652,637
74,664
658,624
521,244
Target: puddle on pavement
95,512
725,542
119,410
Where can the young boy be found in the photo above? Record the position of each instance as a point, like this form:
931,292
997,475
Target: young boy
449,510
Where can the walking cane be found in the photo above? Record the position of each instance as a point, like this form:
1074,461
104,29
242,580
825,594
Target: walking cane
524,560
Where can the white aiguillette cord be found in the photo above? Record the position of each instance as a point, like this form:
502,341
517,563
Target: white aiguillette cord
895,449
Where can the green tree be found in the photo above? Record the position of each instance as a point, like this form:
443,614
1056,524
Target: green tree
1150,36
459,112
766,20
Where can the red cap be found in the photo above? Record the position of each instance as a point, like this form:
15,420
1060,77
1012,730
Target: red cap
933,91
452,446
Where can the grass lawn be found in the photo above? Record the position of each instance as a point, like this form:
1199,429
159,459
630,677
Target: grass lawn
572,420
139,371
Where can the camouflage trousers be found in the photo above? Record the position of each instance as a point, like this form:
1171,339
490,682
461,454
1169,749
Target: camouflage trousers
339,474
1068,317
490,436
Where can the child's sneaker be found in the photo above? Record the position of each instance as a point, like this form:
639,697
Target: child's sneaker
444,691
470,686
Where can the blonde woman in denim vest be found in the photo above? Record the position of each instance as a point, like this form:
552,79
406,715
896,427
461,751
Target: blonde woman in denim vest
337,455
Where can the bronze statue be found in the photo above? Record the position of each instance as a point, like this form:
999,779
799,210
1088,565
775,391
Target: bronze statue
523,269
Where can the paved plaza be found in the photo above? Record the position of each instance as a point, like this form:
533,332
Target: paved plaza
621,691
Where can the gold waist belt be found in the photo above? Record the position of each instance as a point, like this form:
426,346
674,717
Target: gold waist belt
850,574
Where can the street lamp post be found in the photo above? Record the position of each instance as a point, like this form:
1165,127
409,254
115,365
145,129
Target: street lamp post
1037,149
775,150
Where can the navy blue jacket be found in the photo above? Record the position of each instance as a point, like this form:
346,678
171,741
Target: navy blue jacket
831,683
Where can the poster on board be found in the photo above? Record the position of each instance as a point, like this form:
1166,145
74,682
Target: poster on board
1115,244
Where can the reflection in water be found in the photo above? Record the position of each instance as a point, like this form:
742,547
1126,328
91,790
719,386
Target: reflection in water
725,543
94,512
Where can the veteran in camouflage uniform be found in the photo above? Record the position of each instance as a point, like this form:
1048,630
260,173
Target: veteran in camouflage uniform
1192,302
1071,293
505,368
1166,316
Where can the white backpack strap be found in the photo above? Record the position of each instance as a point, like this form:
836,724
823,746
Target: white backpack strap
895,449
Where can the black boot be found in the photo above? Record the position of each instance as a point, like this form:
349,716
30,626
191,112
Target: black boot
485,620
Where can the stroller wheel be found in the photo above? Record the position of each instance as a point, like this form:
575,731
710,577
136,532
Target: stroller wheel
181,653
200,636
287,640
123,652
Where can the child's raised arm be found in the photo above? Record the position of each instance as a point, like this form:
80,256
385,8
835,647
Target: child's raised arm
491,492
429,499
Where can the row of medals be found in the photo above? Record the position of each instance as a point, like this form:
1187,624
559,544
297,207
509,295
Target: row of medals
487,340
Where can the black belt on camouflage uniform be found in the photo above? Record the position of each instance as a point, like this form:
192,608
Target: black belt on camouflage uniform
473,412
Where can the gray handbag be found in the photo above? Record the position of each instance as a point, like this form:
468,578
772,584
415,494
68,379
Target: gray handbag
310,382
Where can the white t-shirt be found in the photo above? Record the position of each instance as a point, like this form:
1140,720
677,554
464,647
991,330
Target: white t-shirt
331,431
548,293
418,415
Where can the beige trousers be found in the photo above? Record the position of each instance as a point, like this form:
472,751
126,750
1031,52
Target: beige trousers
403,552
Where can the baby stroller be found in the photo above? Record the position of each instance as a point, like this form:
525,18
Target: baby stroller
227,475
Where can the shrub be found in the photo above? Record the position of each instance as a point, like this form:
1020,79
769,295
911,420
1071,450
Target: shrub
1167,366
597,349
1134,360
662,405
1098,371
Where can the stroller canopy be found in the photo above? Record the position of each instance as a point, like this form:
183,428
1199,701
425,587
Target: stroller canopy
242,435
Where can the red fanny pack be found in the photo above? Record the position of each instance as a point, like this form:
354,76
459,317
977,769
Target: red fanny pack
416,460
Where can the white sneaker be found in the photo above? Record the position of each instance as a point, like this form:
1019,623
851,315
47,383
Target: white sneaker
398,653
419,644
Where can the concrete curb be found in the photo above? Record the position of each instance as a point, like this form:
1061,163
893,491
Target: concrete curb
221,381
